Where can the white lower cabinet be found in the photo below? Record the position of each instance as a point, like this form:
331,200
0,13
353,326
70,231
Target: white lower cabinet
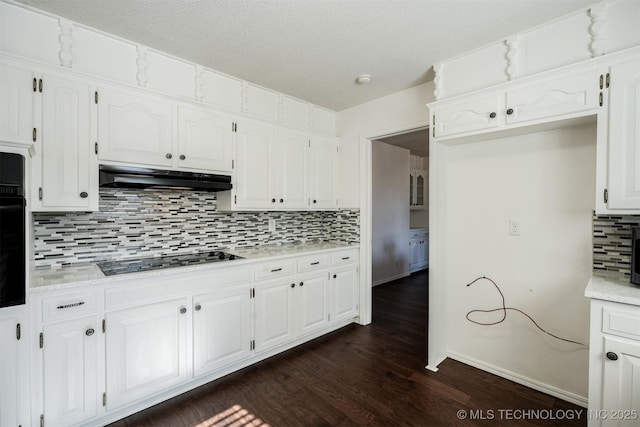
275,311
614,364
345,292
13,367
222,328
312,302
71,371
146,350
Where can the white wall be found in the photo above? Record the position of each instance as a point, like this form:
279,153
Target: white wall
546,181
390,213
383,116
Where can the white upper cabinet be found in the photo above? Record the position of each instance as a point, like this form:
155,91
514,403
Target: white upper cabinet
323,172
289,169
553,98
471,115
253,171
17,87
64,168
205,140
624,137
133,128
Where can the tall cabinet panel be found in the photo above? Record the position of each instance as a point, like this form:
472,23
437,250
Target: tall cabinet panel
64,162
13,367
289,163
16,104
624,136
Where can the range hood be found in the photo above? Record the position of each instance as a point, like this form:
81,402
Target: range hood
135,177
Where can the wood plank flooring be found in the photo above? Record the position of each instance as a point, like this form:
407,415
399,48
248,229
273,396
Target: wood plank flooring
364,375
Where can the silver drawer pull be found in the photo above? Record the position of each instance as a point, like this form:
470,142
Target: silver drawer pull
75,304
346,257
315,263
276,270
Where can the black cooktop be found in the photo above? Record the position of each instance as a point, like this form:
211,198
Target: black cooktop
111,268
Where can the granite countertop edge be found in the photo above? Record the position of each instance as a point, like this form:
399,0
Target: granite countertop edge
82,275
612,286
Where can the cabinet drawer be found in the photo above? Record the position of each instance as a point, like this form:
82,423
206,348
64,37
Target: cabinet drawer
344,257
623,323
275,269
68,306
313,262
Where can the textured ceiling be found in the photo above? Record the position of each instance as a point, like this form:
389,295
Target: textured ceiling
314,49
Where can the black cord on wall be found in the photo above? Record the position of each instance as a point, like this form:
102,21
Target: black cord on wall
504,310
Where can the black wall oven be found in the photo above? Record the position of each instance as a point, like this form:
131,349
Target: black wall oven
12,230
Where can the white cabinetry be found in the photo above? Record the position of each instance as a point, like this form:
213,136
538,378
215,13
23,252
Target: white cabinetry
205,140
13,367
564,95
17,87
344,287
614,364
418,250
222,330
64,167
135,128
417,188
624,137
147,350
72,354
289,170
323,170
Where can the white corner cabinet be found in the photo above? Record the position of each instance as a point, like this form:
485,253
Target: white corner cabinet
418,250
14,366
603,90
614,364
105,351
281,169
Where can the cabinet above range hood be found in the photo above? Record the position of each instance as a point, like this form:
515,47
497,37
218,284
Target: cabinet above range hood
135,177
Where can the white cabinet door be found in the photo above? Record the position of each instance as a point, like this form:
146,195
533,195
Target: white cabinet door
253,185
621,380
133,128
146,351
13,368
221,328
424,252
414,254
624,137
345,292
312,302
417,188
16,104
554,98
64,165
274,313
205,140
71,392
289,169
473,115
323,170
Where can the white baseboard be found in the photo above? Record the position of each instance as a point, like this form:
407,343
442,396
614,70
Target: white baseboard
390,279
517,378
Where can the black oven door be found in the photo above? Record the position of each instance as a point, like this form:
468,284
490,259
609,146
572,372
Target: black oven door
12,251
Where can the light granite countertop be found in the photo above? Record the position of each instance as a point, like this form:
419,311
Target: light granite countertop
611,286
45,279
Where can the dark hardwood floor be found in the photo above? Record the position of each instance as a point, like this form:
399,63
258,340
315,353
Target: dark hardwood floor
364,375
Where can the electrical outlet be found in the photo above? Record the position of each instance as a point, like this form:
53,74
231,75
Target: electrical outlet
272,225
515,227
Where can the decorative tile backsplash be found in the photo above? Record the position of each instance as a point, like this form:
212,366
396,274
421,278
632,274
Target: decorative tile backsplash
612,242
138,223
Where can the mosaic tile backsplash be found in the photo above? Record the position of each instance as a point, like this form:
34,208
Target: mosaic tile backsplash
139,223
612,242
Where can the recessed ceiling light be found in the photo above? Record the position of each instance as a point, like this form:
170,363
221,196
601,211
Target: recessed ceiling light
363,79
